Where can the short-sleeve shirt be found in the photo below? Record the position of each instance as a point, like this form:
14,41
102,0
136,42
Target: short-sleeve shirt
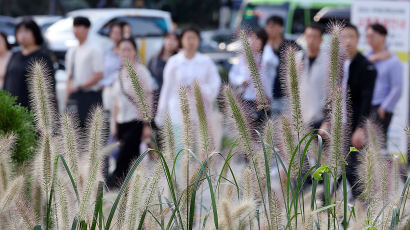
84,60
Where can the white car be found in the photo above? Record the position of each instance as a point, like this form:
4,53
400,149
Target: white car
148,28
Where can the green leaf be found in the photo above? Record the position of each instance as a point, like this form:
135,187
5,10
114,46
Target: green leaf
37,227
353,149
317,175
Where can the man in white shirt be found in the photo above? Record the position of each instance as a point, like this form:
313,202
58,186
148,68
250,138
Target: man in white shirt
313,80
85,66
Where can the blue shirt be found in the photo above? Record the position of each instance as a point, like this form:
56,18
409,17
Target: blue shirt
112,63
389,81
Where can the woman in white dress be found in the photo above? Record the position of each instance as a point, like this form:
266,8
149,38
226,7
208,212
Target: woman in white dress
184,69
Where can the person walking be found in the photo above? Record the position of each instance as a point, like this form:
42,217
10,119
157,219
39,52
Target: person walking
157,63
183,70
29,37
85,66
240,76
358,84
126,117
277,45
389,81
314,77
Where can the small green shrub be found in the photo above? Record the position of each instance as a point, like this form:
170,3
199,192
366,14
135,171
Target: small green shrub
18,120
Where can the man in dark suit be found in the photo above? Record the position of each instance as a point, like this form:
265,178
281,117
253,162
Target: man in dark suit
358,83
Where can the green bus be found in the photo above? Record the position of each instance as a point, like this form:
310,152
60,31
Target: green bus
297,14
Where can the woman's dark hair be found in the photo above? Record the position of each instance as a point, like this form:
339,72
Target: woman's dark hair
81,21
29,24
190,29
169,34
378,28
131,40
261,34
4,36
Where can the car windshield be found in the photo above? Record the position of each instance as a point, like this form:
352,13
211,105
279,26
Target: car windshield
7,27
256,16
62,26
140,26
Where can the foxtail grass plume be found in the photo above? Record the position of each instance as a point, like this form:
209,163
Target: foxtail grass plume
187,130
168,139
239,116
261,98
335,56
337,142
41,96
25,213
226,211
46,157
37,199
6,147
248,191
123,207
370,171
11,193
186,118
206,143
63,214
95,158
143,105
275,212
288,145
268,138
292,85
133,205
70,144
95,134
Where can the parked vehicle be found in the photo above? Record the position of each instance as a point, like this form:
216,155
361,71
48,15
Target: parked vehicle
7,25
297,14
45,21
148,27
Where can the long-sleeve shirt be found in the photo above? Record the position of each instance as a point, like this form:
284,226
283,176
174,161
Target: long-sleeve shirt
313,86
180,71
389,81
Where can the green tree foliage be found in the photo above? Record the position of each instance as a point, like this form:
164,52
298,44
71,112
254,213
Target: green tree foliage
18,120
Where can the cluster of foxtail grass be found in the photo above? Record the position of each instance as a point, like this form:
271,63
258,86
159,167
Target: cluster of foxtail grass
66,188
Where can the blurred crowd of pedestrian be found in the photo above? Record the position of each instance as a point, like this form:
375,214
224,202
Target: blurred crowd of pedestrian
372,82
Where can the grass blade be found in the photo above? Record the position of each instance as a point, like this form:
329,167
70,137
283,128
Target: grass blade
141,223
124,185
70,176
98,204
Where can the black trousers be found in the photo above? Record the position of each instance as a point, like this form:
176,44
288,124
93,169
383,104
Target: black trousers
129,135
382,122
82,103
